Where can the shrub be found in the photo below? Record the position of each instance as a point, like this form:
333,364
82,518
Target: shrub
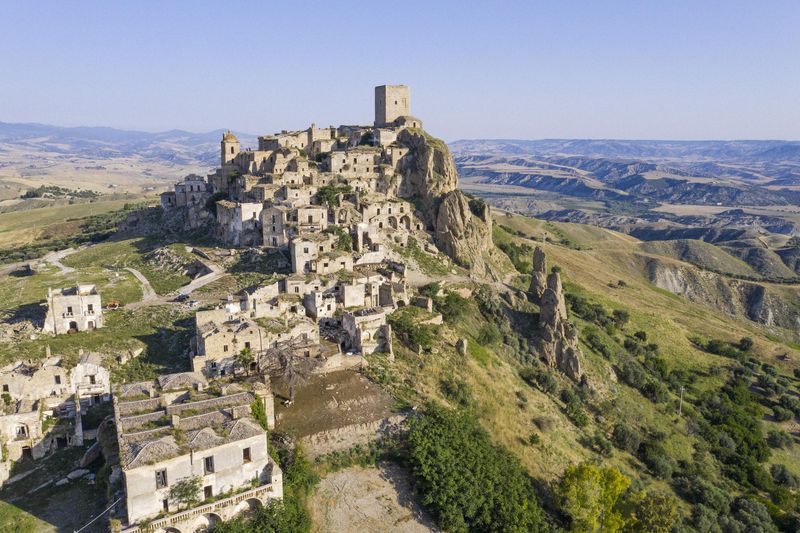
655,391
488,334
456,390
453,307
545,380
431,290
626,438
544,423
782,476
641,335
456,465
780,414
780,439
632,373
655,457
745,344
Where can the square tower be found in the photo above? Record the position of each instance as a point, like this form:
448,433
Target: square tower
391,102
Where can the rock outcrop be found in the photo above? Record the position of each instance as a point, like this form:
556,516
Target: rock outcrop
462,227
556,339
538,274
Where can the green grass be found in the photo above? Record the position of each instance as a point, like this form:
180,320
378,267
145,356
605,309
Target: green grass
15,520
131,253
163,331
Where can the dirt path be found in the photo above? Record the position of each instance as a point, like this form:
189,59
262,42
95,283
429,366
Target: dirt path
368,499
215,273
148,294
54,258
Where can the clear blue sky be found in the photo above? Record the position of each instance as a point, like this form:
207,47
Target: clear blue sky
612,69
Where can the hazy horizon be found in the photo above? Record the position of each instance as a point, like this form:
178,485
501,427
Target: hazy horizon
617,71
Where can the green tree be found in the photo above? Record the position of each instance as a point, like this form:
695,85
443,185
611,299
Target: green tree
244,359
649,512
186,491
590,495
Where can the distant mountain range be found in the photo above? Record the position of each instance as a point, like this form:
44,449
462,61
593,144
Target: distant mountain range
174,146
686,151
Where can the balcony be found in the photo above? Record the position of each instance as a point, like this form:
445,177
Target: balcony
218,507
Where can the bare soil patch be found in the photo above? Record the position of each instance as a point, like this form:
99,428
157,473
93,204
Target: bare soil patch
329,402
368,499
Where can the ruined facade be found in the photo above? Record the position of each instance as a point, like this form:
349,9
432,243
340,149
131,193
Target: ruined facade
181,428
73,309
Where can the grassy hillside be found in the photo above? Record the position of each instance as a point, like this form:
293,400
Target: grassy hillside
702,254
631,382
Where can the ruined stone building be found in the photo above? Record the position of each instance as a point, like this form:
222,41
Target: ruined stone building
43,403
181,428
73,309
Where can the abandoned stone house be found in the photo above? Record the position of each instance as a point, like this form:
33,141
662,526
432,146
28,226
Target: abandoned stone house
221,335
43,404
73,309
366,331
181,428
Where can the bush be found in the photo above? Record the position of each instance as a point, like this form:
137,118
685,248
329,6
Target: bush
653,455
632,373
655,391
780,439
626,438
456,466
545,380
745,344
453,307
780,414
488,334
456,390
407,327
519,254
431,290
782,476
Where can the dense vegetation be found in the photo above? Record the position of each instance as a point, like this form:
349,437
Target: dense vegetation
466,481
54,191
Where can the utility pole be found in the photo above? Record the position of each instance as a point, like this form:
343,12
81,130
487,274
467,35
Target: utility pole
680,405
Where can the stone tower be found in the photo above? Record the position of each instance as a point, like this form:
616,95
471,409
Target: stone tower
391,102
229,147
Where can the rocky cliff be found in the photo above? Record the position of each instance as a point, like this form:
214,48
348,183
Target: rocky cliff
763,303
462,227
555,339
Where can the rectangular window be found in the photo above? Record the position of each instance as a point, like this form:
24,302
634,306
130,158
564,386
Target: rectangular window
58,380
69,310
225,348
92,379
161,479
165,504
246,458
90,308
208,465
247,345
5,388
208,491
